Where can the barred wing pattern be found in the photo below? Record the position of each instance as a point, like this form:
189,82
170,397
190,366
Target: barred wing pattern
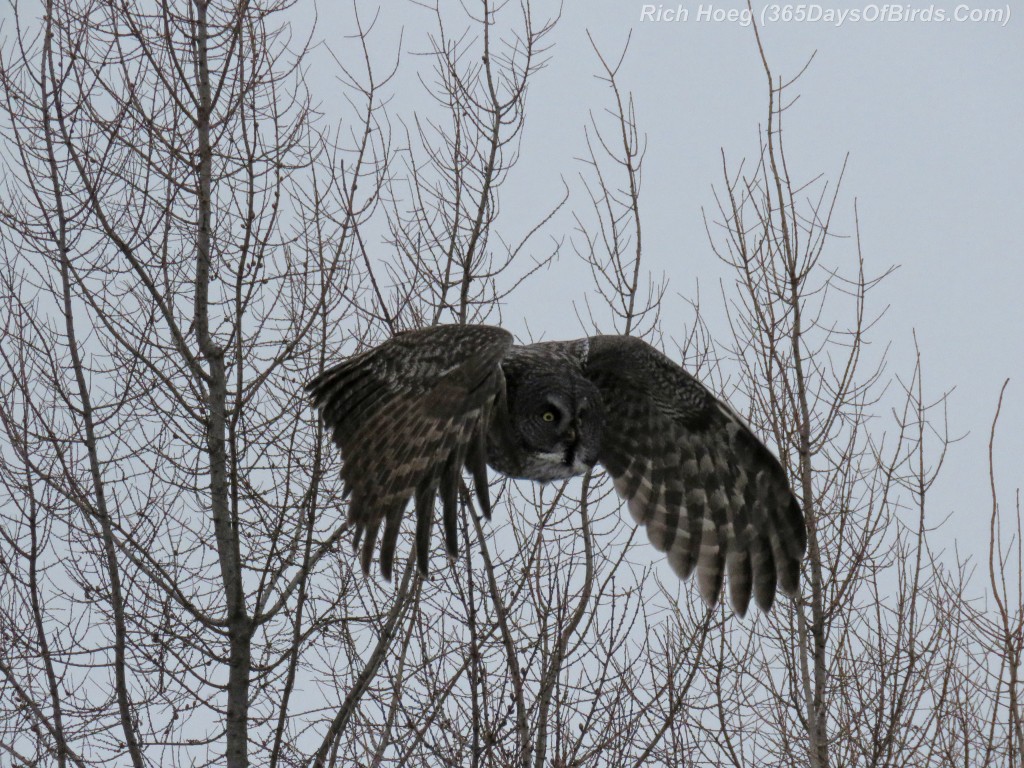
407,416
709,493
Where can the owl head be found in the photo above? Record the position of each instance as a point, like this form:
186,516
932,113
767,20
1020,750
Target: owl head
556,419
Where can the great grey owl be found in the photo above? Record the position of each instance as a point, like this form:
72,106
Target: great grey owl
409,414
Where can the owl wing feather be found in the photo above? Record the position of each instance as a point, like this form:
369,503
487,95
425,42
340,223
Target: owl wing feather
408,416
710,494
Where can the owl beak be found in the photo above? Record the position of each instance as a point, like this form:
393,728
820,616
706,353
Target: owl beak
570,435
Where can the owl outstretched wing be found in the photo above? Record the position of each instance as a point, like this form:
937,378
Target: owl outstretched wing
407,416
709,493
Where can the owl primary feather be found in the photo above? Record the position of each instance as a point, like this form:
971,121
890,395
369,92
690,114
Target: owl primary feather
412,413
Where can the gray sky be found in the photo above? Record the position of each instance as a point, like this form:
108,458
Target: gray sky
930,114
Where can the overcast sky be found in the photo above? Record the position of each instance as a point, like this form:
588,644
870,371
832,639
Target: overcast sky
931,115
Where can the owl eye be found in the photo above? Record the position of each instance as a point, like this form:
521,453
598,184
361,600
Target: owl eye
549,416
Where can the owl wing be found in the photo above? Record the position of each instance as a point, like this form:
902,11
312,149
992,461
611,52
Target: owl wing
709,493
407,416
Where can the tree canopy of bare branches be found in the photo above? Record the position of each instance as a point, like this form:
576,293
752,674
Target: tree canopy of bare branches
187,237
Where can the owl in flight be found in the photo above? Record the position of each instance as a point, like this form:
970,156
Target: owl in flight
409,414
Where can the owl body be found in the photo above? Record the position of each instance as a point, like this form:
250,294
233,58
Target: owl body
411,414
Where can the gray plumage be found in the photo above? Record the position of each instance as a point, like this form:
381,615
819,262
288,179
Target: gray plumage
410,414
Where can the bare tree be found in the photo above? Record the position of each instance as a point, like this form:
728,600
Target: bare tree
177,234
188,236
869,667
